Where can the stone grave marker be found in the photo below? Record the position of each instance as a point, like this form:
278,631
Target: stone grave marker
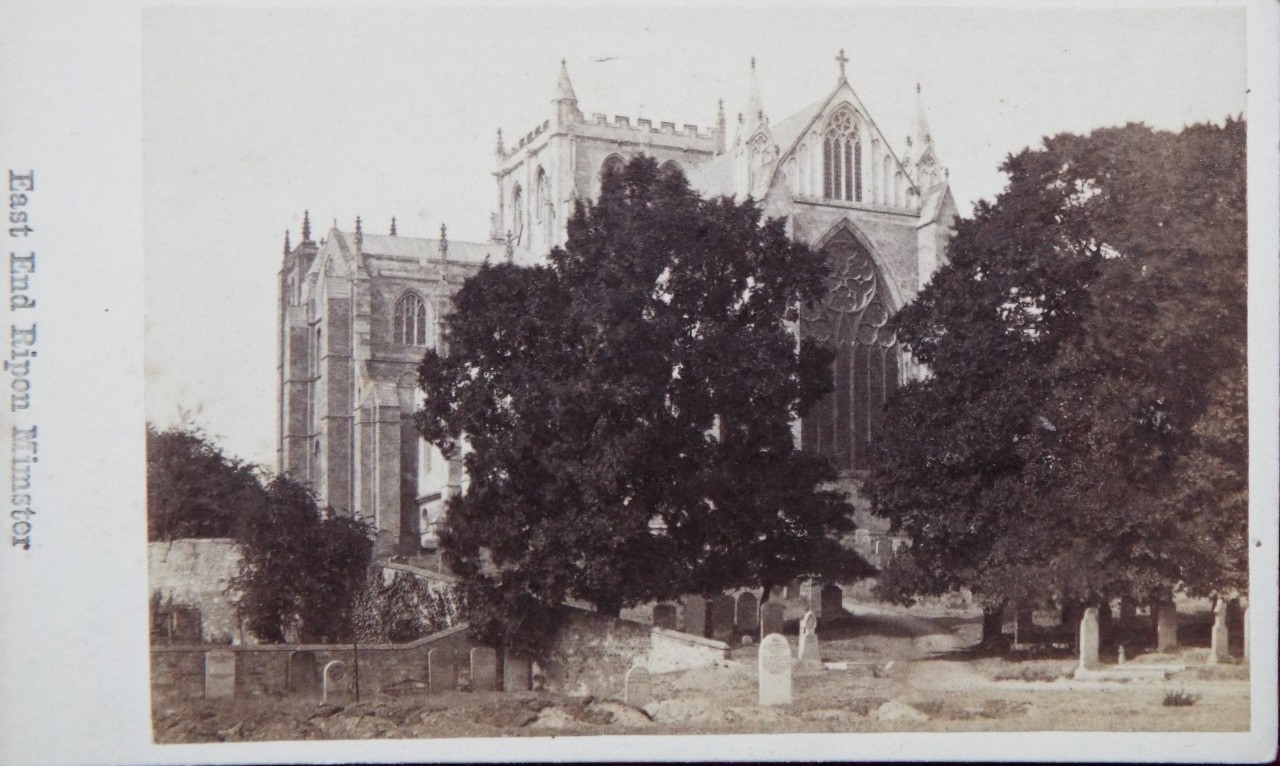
1089,639
1218,646
303,673
664,616
793,589
771,614
484,669
219,674
639,687
809,653
722,617
1166,627
832,598
440,670
695,615
747,615
775,670
777,593
517,673
336,682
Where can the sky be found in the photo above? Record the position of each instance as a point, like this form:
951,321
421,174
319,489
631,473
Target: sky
252,116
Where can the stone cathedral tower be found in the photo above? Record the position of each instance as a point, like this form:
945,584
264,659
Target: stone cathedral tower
357,309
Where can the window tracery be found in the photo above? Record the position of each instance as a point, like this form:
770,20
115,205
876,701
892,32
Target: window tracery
409,326
842,158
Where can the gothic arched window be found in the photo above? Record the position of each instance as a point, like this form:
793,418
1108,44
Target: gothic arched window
410,323
842,159
851,318
544,210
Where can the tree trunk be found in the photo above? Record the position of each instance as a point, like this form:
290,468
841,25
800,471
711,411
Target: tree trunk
1106,632
765,595
992,623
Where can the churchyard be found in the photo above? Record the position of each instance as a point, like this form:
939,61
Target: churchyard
877,668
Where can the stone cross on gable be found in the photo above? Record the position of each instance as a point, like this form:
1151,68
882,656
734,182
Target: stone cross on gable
842,60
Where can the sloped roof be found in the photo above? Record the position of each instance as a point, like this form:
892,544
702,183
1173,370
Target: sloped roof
419,248
932,205
787,131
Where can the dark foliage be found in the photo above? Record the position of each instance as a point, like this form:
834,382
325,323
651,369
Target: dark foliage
194,489
1083,432
628,412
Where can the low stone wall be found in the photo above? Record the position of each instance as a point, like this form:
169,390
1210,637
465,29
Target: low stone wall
196,573
264,669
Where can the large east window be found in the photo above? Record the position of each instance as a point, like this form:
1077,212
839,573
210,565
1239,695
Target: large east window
842,159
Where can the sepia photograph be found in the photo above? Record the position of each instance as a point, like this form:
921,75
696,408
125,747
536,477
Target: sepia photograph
563,372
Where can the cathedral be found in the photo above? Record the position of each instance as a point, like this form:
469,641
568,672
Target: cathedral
358,308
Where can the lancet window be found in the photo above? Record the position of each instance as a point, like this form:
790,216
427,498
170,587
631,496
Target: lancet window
842,159
410,323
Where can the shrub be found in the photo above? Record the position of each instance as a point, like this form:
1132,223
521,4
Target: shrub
1180,698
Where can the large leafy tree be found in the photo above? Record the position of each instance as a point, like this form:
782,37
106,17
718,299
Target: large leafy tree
194,489
302,568
628,409
1082,431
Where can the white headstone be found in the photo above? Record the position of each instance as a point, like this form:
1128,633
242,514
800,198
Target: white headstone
1089,639
809,653
1166,627
639,687
219,674
1219,650
335,679
775,670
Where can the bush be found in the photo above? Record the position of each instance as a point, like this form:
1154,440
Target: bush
1180,698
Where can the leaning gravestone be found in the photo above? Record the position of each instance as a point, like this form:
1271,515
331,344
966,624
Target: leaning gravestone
517,674
484,669
1166,628
1089,639
664,616
440,670
695,615
335,680
775,670
1218,649
809,654
771,615
303,673
639,687
747,615
219,674
721,617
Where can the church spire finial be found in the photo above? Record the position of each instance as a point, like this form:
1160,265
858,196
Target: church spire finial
444,243
842,59
755,104
306,225
500,149
359,233
287,248
924,136
564,87
393,226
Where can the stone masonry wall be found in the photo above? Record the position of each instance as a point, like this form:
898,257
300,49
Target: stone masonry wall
197,573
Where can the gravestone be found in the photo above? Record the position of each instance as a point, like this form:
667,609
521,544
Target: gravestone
1166,628
722,617
1218,649
335,680
747,615
809,654
638,691
219,674
793,589
303,673
832,601
664,616
484,669
775,670
777,593
771,614
1244,629
695,615
517,674
1089,639
440,670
